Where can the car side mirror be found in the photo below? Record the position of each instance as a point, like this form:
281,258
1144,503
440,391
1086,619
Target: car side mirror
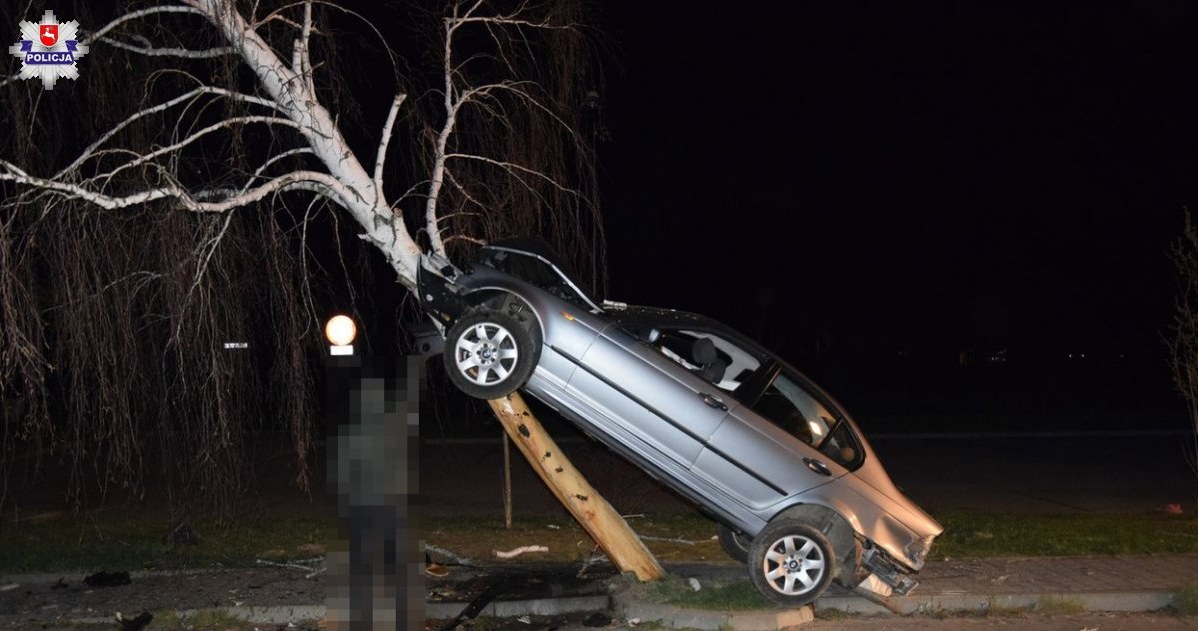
652,335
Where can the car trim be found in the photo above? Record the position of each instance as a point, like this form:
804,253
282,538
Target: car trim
680,427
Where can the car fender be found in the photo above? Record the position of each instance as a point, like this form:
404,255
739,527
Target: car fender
867,519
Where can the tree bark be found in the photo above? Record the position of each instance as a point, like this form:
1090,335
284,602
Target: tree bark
594,513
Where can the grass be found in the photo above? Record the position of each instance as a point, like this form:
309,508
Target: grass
131,542
1185,601
107,542
478,538
673,590
991,535
1059,606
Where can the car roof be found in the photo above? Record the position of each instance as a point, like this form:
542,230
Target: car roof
676,319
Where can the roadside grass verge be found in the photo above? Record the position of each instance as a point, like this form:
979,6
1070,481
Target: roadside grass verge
969,534
130,542
115,543
739,596
1185,601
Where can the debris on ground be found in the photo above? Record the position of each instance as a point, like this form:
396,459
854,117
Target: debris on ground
521,550
460,560
108,579
134,624
597,619
314,566
668,539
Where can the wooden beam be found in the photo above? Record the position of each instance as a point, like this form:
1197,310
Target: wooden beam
594,513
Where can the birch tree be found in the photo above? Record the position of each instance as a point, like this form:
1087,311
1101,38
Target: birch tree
194,154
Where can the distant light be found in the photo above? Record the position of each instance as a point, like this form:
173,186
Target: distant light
340,330
236,345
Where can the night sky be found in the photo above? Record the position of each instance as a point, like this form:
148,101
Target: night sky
886,177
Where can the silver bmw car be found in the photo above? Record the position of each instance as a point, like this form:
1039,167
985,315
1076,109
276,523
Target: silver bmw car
796,490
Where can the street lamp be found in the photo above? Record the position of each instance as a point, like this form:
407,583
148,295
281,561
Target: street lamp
340,330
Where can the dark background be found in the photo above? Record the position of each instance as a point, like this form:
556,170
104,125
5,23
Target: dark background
948,210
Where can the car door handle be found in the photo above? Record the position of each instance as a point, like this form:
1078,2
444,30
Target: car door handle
713,402
817,466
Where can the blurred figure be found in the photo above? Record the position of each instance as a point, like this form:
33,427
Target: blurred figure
377,583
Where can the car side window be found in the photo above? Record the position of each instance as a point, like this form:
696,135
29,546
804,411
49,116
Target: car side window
736,363
796,410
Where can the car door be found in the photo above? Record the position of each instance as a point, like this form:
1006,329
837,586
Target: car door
779,444
647,396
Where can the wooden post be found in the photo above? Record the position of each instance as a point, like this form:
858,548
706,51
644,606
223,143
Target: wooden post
507,481
596,516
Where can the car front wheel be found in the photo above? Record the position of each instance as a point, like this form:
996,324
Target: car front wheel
791,563
489,354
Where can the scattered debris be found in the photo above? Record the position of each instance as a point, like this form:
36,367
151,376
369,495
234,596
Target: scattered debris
632,622
591,560
597,619
525,619
460,560
435,569
476,606
108,579
11,586
667,539
311,548
521,550
694,583
554,527
1173,509
308,565
134,624
1000,579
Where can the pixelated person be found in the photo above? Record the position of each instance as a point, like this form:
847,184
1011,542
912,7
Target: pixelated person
371,470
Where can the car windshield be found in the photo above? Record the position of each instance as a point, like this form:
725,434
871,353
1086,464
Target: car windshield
536,269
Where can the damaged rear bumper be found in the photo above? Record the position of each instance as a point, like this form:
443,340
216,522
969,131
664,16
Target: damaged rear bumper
890,573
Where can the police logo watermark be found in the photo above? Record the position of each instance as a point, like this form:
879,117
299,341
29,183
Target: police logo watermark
49,50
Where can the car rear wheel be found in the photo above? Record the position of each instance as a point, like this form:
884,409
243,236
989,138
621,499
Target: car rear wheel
791,563
490,353
734,543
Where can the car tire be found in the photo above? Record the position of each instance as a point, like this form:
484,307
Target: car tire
791,563
734,543
491,353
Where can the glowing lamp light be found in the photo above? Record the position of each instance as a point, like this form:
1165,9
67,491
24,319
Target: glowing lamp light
340,330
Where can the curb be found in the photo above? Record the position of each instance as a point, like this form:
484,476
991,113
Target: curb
1124,602
517,608
680,618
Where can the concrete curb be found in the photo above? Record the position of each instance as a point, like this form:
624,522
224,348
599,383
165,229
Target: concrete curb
934,603
517,608
682,618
